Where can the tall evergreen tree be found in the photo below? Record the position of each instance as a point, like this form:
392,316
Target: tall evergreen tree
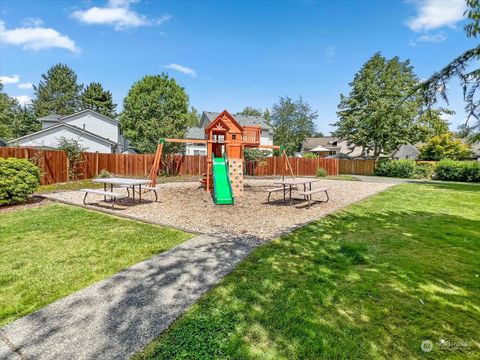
7,113
251,111
95,98
193,117
25,121
293,121
465,68
57,92
377,114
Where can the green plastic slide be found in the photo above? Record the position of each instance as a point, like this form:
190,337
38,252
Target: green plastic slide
222,190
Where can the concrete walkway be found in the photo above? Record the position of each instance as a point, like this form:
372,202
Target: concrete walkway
116,317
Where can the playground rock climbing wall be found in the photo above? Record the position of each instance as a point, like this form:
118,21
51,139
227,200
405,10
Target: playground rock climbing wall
235,172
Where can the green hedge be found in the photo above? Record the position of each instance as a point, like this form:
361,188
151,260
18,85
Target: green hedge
19,179
408,169
396,168
451,170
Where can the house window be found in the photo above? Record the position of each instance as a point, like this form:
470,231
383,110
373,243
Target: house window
198,152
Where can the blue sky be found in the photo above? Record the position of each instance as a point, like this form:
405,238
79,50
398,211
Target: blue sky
229,54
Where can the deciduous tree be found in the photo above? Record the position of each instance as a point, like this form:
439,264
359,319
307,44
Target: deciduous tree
293,121
155,107
444,146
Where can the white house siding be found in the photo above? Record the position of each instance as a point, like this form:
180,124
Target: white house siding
191,149
95,124
50,138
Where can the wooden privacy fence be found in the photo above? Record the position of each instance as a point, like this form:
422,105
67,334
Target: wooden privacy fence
357,167
54,164
300,166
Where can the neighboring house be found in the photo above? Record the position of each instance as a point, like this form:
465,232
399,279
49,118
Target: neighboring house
95,132
3,142
329,147
407,151
266,134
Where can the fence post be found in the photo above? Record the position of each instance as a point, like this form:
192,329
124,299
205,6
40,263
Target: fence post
96,163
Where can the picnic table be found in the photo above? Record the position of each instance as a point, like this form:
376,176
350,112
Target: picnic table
291,183
125,182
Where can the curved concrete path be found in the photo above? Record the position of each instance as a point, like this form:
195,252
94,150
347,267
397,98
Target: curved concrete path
117,317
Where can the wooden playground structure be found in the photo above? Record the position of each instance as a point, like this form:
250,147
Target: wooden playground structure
227,139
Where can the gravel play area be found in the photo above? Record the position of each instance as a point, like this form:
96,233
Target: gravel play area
187,206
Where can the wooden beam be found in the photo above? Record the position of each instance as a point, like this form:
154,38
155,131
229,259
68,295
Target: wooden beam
192,141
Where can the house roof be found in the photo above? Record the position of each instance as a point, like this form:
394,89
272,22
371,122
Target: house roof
311,143
243,120
195,133
51,117
55,117
73,127
407,151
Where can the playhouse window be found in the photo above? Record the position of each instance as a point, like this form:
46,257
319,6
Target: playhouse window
234,136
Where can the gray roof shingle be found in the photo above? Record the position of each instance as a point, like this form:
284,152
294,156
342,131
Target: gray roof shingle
244,120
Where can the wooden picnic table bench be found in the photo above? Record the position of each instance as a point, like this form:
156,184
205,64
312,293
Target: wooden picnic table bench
308,194
110,194
275,189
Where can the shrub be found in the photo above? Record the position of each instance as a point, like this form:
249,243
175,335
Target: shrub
19,179
73,149
310,155
104,174
396,168
424,170
451,170
321,172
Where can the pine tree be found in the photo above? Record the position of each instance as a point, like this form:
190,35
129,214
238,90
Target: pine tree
24,121
8,108
58,92
95,98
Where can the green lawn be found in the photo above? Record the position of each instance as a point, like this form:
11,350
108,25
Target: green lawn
50,251
370,282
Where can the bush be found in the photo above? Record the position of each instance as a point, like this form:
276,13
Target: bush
19,179
424,170
321,172
396,168
310,155
104,174
451,170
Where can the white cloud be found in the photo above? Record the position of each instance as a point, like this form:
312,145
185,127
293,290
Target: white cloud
23,100
163,19
432,38
118,14
32,22
182,69
36,38
27,85
434,14
437,38
12,79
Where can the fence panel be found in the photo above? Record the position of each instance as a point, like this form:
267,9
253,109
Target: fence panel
357,167
300,166
52,163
